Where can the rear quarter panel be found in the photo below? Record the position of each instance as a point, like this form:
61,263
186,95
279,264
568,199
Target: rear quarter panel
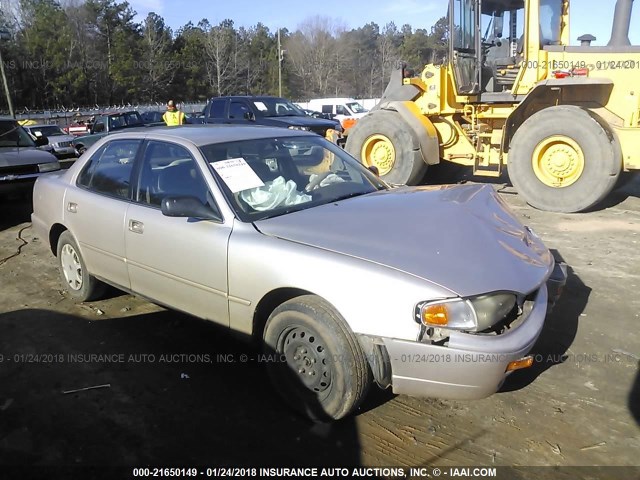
48,204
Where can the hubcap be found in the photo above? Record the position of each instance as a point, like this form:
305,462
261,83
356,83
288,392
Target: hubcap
71,267
379,151
307,356
558,161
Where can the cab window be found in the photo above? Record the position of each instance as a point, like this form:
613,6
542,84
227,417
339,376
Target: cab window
217,108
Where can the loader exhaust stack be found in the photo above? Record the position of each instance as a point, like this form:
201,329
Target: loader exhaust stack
621,24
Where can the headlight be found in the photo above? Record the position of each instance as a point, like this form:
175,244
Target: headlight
492,308
48,167
297,127
473,315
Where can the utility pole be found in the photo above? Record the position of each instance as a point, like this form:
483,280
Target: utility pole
280,52
5,35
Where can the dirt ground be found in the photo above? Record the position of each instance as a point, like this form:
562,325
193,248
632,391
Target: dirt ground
174,392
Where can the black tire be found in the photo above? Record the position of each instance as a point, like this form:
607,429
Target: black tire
321,370
81,285
81,149
602,160
408,166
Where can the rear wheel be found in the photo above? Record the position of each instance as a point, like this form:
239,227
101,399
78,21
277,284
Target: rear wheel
321,369
562,160
74,276
382,139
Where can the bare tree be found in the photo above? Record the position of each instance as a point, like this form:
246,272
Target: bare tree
311,52
158,69
220,49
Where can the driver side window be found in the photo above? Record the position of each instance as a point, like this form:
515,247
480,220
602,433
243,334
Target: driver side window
237,110
170,170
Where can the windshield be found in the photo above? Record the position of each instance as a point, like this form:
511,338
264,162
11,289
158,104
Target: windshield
355,107
265,178
277,107
13,135
47,131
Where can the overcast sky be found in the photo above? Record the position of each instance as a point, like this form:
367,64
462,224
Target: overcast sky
587,16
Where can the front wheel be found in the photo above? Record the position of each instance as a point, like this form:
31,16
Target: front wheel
561,159
321,369
383,140
74,276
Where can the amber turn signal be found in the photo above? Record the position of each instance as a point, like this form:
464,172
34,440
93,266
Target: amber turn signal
436,314
525,362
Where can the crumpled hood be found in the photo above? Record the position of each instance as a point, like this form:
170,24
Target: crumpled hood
13,156
463,238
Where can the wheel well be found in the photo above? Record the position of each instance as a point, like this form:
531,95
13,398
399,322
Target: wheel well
588,96
54,234
269,303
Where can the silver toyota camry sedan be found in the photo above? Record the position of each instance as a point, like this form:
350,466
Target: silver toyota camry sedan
281,235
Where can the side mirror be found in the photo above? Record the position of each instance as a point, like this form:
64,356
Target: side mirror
189,207
249,116
41,141
373,169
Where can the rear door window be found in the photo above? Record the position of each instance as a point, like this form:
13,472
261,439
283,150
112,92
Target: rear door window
109,170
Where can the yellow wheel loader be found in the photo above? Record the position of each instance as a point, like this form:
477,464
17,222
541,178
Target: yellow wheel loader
564,120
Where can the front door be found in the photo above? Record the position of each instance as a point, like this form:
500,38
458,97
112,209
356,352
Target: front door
181,262
465,45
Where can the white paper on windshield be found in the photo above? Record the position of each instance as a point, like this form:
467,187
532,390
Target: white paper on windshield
260,106
237,174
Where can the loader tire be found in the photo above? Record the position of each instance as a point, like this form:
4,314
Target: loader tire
562,159
382,139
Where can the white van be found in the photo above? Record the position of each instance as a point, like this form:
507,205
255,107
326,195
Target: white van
346,110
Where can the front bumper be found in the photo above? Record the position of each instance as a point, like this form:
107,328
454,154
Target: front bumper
65,152
471,366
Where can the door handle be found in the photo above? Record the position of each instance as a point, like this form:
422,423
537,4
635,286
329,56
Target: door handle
135,226
72,207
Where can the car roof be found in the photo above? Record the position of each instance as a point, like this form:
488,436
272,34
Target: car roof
201,135
250,97
334,100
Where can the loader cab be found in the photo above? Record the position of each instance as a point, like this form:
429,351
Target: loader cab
490,42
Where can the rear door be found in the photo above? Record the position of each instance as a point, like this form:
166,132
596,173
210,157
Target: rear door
179,262
95,209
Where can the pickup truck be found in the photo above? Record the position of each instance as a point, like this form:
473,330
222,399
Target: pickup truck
265,110
21,162
105,124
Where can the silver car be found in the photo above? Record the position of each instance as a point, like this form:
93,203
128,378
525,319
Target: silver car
59,141
282,236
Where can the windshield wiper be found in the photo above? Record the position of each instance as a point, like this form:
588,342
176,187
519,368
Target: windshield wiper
282,212
348,195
